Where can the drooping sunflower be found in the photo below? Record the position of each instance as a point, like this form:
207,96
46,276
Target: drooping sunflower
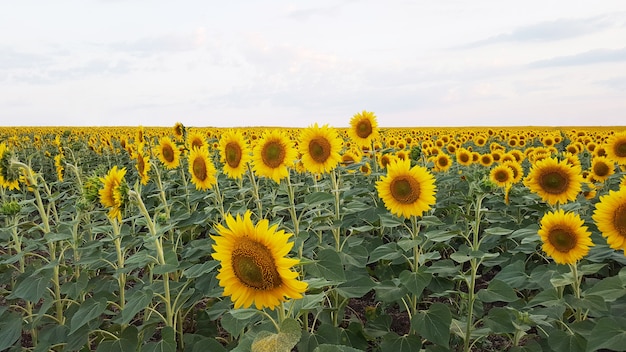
407,191
610,217
616,148
234,153
168,153
201,169
142,165
554,181
114,192
602,168
272,155
8,178
320,147
59,166
363,128
564,237
502,175
254,267
179,130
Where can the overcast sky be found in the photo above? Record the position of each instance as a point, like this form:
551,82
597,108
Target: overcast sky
294,63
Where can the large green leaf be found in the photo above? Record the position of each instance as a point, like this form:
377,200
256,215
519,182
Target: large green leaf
90,309
329,265
415,282
10,329
497,291
561,341
395,343
609,333
285,340
434,324
166,344
128,341
34,286
610,288
136,301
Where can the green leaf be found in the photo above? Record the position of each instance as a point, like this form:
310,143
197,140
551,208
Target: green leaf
434,324
356,287
329,265
388,251
198,270
10,330
389,220
497,291
395,343
415,282
514,274
335,348
389,291
127,342
34,286
440,235
559,340
285,340
498,231
609,333
166,344
205,344
90,309
136,301
244,313
317,198
500,320
610,288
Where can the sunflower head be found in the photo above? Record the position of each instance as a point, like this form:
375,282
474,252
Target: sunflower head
179,130
501,175
363,128
616,148
554,181
9,176
610,217
320,147
168,153
602,168
201,169
254,267
564,237
407,191
10,208
272,155
114,192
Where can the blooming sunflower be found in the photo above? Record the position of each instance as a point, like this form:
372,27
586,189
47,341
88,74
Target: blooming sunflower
442,161
564,237
142,165
179,130
59,166
272,155
610,217
254,267
320,147
518,171
601,168
502,175
616,148
201,169
554,181
405,190
363,128
168,153
463,157
113,193
234,153
195,140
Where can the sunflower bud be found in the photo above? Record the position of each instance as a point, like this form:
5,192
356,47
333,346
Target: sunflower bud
91,188
10,208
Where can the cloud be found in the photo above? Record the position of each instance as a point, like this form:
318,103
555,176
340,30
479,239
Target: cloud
11,59
168,43
549,31
617,83
585,58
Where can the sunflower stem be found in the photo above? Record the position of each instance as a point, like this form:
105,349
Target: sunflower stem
416,259
255,191
474,264
121,279
576,287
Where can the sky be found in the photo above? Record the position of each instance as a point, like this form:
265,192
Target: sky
294,63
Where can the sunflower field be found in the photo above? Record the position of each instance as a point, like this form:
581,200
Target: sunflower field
312,239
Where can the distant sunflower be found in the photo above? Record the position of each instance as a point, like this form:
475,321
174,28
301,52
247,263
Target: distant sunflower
254,267
179,130
365,169
272,155
384,160
602,168
616,148
114,192
195,140
407,191
8,178
58,164
320,147
363,128
501,175
442,162
168,153
486,160
554,181
610,217
518,171
564,237
234,153
463,157
201,169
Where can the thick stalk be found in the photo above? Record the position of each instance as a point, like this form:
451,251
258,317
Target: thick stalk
474,263
255,191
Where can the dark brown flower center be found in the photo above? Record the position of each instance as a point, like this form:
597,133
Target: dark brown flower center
199,168
562,239
620,149
442,161
601,169
501,176
619,219
273,154
553,182
197,143
364,129
232,152
168,153
319,149
405,189
141,165
254,265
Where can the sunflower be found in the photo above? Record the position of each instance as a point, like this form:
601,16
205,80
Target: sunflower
179,130
518,171
601,168
384,160
59,166
254,267
616,148
195,140
442,162
502,175
142,165
363,128
201,169
405,190
610,217
113,193
234,153
272,155
486,160
320,147
168,153
463,157
564,237
8,178
554,181
366,169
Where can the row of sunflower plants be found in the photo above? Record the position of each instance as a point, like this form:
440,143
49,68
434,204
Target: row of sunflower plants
316,239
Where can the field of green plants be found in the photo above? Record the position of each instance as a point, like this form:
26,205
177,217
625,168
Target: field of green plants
312,239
